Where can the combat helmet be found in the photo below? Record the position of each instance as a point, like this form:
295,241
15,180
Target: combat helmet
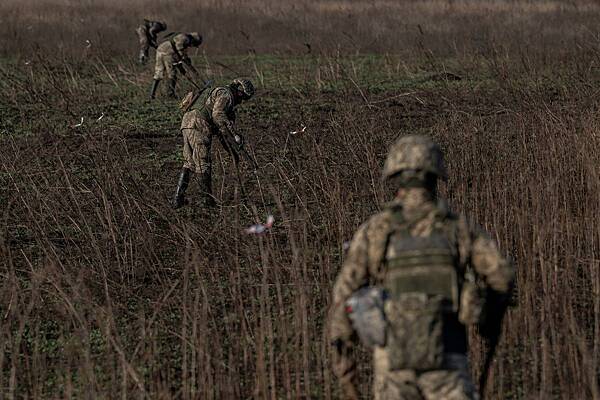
245,86
415,153
196,38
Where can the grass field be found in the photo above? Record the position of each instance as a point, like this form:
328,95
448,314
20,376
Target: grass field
106,292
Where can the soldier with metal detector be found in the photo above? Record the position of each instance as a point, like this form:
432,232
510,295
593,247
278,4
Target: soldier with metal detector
171,56
416,275
147,35
208,114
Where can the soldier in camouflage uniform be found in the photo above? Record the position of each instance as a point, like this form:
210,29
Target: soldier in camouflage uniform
213,115
170,55
431,263
147,35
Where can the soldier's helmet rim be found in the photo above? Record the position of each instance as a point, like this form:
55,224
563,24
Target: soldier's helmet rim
416,153
245,86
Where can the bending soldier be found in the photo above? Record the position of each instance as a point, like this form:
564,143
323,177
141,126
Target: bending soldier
147,36
170,55
214,115
432,267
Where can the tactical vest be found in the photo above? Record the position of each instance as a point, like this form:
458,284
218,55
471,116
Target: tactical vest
423,285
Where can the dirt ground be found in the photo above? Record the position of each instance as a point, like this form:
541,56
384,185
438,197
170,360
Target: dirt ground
107,292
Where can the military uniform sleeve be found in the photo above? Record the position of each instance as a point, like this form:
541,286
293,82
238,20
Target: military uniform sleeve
181,43
486,259
221,112
153,34
353,275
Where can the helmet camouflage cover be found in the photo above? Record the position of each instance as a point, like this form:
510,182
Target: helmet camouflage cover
244,85
417,153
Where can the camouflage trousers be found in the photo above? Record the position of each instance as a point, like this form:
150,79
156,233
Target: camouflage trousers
197,140
144,44
452,383
164,66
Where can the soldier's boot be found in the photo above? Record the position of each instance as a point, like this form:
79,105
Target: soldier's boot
182,184
206,188
172,84
154,88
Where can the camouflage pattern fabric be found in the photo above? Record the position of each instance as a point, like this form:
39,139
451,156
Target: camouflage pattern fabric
214,114
415,152
147,35
219,111
142,34
451,383
366,265
197,140
168,54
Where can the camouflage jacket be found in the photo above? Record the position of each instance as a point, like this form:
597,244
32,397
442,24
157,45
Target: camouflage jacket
217,107
150,31
365,264
176,46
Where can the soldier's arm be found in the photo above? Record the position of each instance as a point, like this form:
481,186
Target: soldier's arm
353,275
488,261
153,35
222,109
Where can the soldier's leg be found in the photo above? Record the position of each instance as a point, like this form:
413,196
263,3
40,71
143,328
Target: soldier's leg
393,385
201,145
453,383
159,70
182,184
171,74
143,40
187,126
144,46
143,55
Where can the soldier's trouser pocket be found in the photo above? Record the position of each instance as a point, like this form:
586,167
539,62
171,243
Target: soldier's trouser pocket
414,337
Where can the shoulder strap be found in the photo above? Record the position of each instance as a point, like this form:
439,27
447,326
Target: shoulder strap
379,239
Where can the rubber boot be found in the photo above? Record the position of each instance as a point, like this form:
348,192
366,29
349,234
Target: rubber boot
154,88
206,188
171,92
182,184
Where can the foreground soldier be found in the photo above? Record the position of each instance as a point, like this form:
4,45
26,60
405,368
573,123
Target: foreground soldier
429,261
147,36
214,115
170,55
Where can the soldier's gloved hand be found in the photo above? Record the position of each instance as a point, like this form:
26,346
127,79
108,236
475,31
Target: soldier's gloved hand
239,141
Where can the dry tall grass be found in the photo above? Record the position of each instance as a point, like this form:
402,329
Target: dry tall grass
105,292
443,27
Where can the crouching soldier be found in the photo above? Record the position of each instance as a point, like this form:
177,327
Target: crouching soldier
171,55
212,115
147,35
421,270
